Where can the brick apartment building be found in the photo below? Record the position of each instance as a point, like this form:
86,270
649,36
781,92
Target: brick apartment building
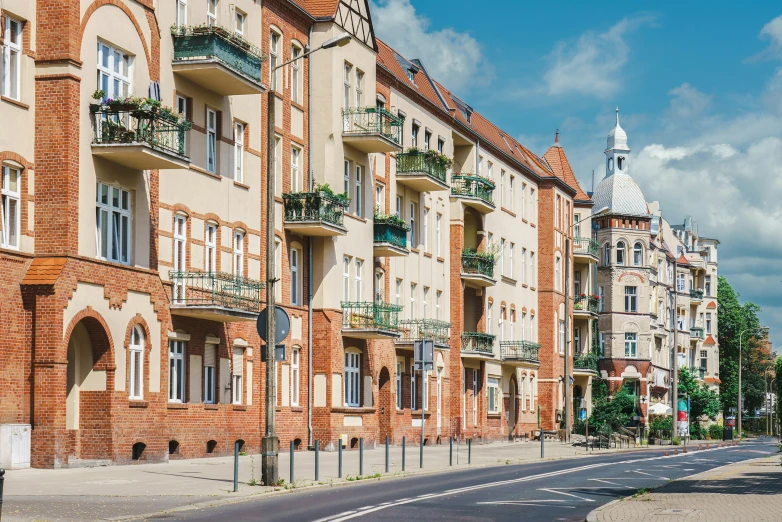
133,244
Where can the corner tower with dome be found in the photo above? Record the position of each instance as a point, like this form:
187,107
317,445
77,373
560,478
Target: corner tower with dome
626,342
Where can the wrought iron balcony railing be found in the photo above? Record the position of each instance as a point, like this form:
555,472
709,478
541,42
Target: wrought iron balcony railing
473,186
478,342
589,303
476,263
696,331
372,121
519,351
421,162
216,289
390,229
194,43
417,329
585,245
314,206
585,361
369,315
129,124
696,294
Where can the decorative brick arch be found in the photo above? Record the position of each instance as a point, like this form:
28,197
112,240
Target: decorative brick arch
7,155
120,5
100,339
636,274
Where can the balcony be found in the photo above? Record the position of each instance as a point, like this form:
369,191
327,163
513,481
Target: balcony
696,332
585,363
476,345
139,135
390,236
314,214
585,247
474,191
217,59
215,296
586,305
422,171
418,329
519,352
368,320
371,129
696,295
478,269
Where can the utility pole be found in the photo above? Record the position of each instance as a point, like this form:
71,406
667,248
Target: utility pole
674,350
568,391
270,443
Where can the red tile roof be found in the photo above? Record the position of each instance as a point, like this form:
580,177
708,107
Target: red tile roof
557,159
318,8
682,260
709,340
712,380
711,305
44,271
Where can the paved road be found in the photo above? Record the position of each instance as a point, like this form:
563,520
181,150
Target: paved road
562,490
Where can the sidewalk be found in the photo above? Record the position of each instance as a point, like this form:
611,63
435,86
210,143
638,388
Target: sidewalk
747,491
114,492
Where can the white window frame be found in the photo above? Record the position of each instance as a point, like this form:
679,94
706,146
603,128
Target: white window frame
631,299
413,389
489,308
107,215
11,86
438,295
346,260
181,13
512,196
295,275
11,219
631,344
136,349
238,246
413,212
620,253
502,187
415,129
239,20
562,340
399,290
523,200
425,231
439,234
602,344
346,176
558,274
114,71
424,300
295,74
502,256
180,254
399,390
274,59
352,379
210,245
277,165
602,298
210,373
237,379
413,288
211,13
494,395
359,191
359,284
239,151
475,397
638,254
211,140
511,247
296,181
532,276
359,88
708,322
346,80
176,370
295,376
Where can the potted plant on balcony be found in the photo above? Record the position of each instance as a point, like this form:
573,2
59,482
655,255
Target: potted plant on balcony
579,304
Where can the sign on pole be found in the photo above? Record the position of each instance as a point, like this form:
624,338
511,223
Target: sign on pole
424,354
282,324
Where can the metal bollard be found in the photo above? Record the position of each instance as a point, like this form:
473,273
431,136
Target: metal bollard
236,466
404,444
292,452
542,443
469,450
450,451
386,453
421,453
361,457
317,467
339,445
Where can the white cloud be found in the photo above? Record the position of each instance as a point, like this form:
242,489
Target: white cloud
592,65
453,58
687,103
772,32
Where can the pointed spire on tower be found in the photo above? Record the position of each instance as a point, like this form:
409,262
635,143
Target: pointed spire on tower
617,115
556,139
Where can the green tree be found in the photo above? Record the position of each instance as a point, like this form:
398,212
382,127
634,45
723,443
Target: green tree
704,403
615,412
733,317
778,387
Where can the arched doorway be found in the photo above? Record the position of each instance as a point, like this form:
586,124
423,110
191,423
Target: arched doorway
386,405
89,385
512,409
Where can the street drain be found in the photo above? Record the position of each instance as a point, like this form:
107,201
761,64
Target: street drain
675,512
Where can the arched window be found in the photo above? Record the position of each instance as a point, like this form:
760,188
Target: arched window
523,392
532,392
606,255
352,378
295,375
295,274
638,254
620,253
136,363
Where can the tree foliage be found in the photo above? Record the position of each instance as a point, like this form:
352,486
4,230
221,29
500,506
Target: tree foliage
614,412
734,318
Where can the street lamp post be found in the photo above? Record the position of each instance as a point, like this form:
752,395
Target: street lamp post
270,442
567,379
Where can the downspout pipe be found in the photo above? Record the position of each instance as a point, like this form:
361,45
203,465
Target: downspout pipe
310,442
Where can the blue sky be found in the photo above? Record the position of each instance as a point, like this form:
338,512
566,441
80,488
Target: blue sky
698,85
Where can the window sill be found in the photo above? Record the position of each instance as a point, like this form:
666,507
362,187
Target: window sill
524,285
298,106
205,172
15,102
297,408
417,414
138,403
177,406
494,415
353,411
414,251
533,288
239,407
357,218
509,280
533,225
508,211
209,406
524,220
440,259
427,254
241,185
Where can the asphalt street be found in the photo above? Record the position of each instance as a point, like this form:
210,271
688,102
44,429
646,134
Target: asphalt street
561,490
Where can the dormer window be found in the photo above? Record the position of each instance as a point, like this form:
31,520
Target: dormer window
411,75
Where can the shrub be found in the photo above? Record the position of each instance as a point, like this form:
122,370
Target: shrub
715,431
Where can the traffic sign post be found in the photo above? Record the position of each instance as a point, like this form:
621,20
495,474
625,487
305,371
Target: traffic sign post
424,361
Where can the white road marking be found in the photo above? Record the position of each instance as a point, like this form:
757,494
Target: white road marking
556,491
614,483
650,475
526,503
517,501
343,517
